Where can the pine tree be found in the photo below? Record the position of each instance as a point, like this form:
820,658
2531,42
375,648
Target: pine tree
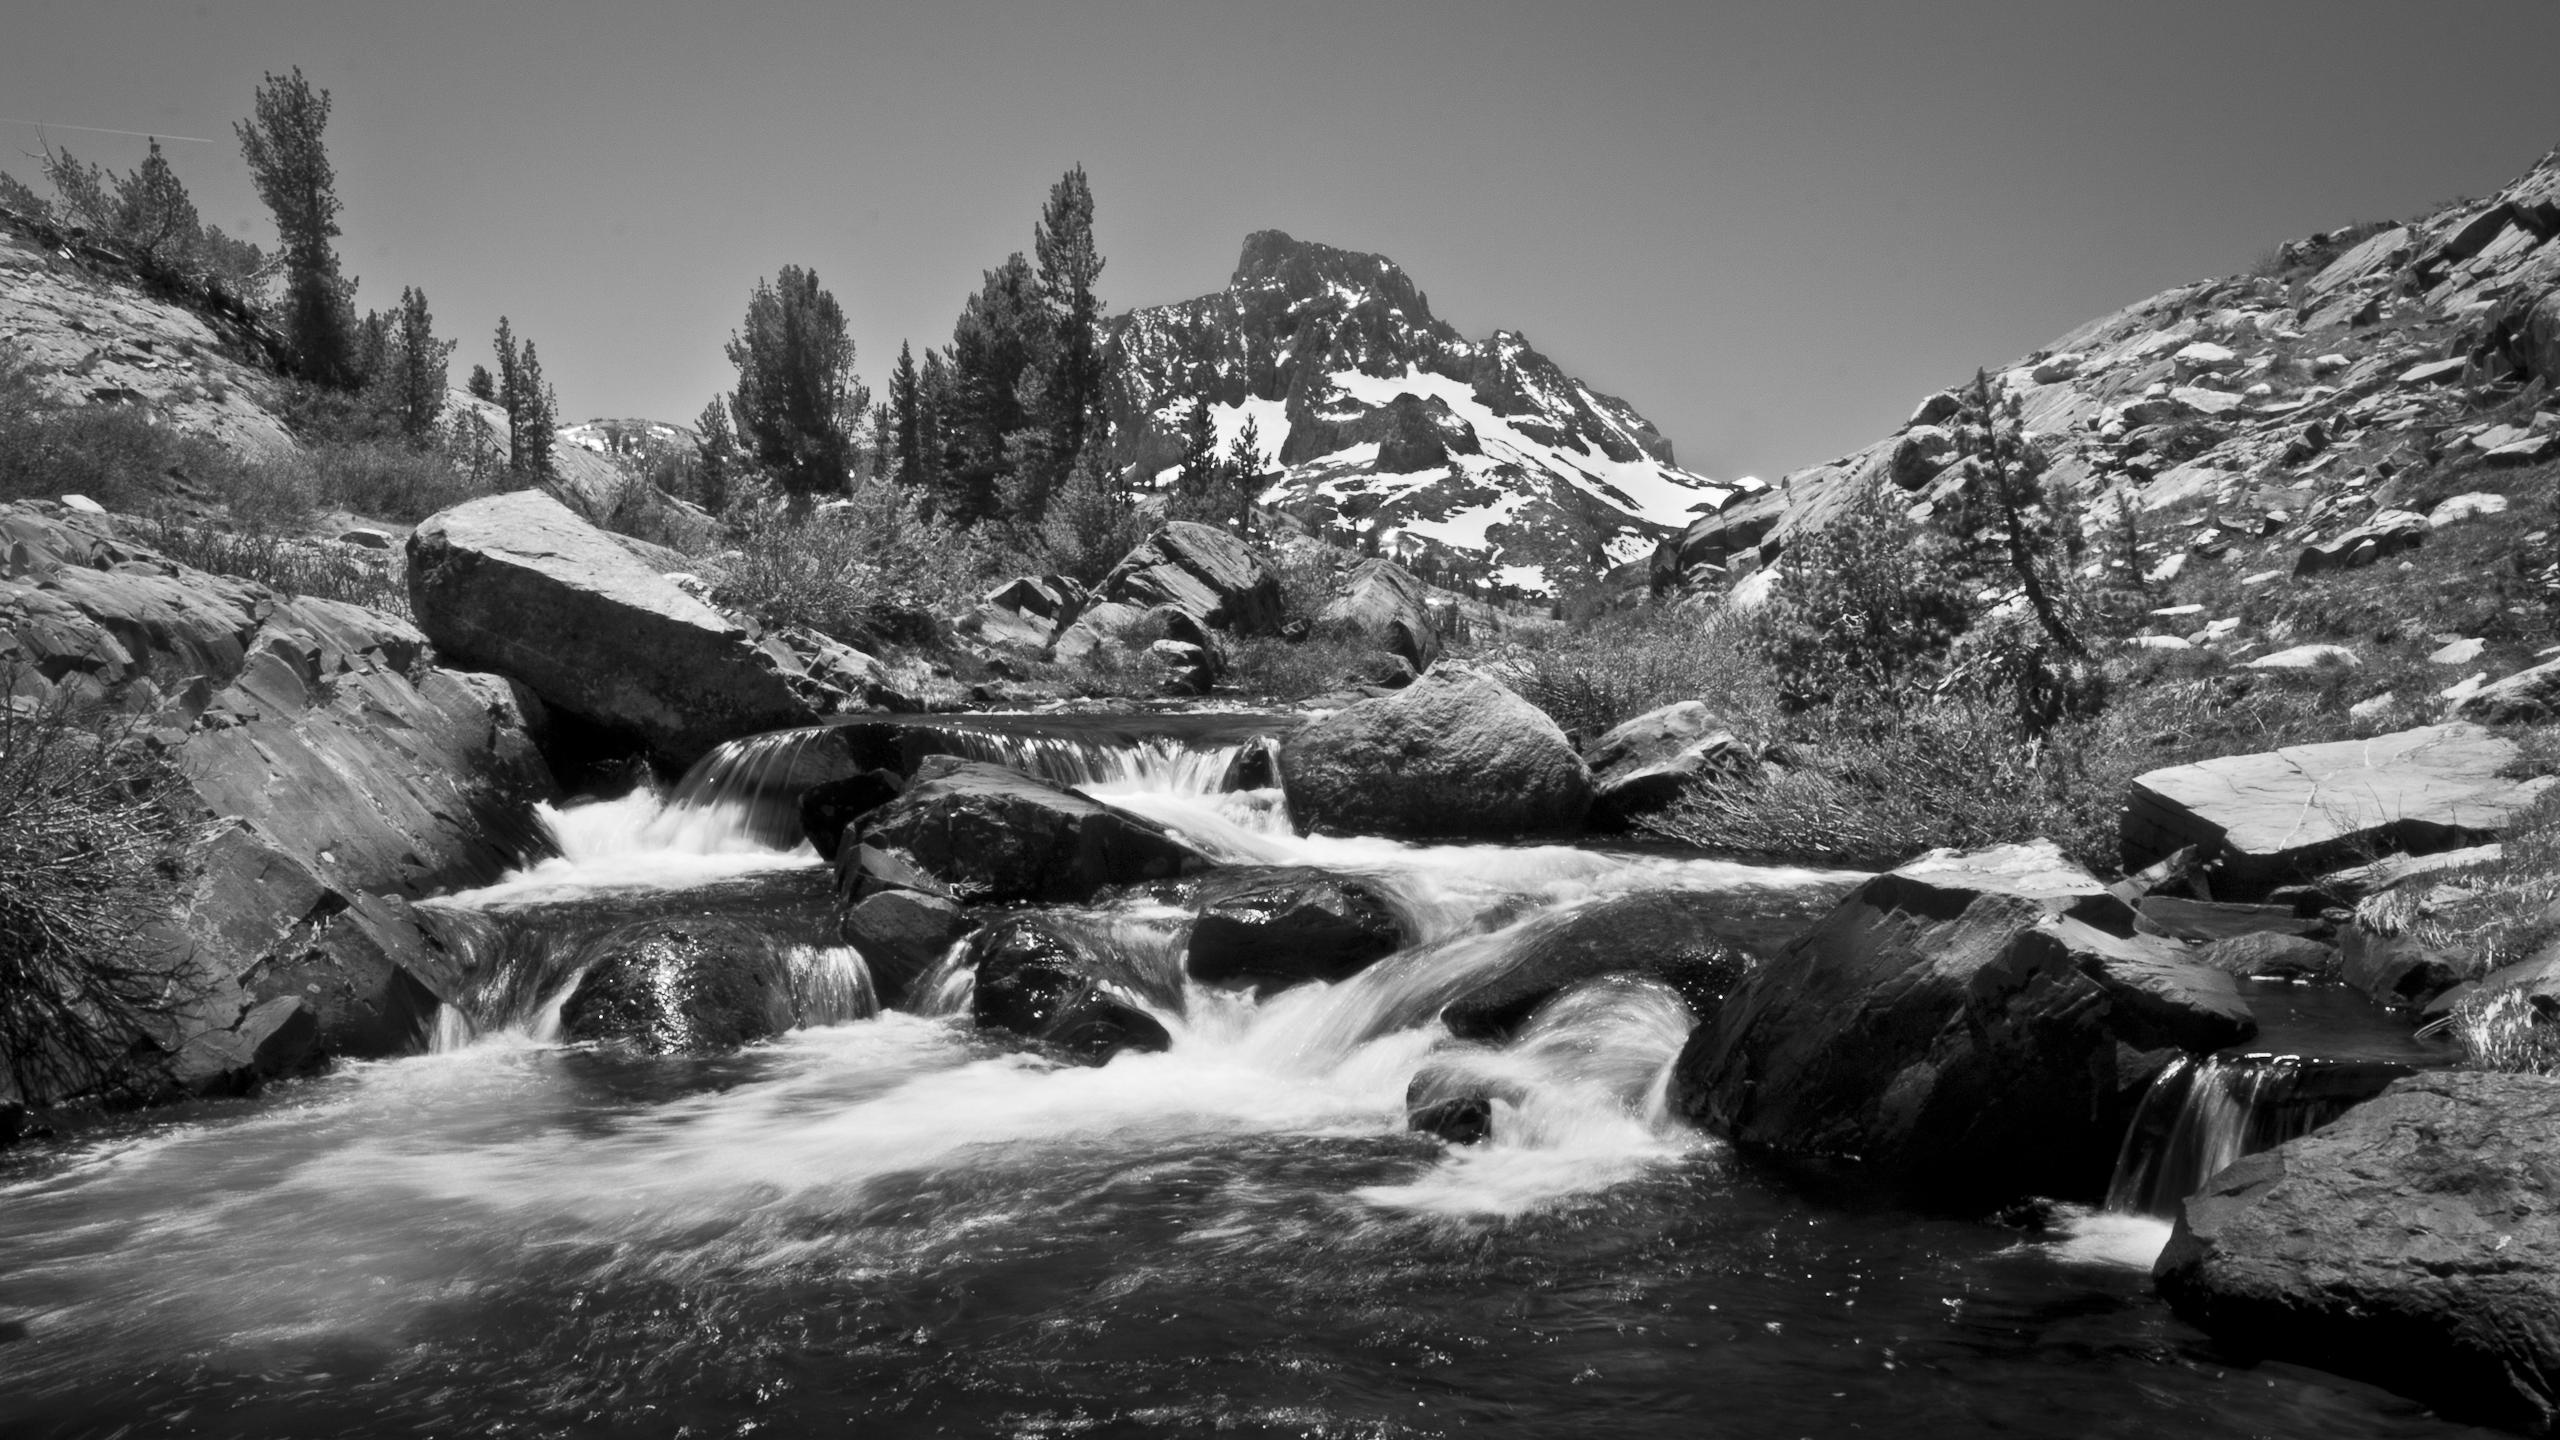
532,409
1001,339
481,384
1069,266
508,394
798,401
933,454
906,419
155,219
2003,515
291,170
716,447
1243,478
418,368
1197,474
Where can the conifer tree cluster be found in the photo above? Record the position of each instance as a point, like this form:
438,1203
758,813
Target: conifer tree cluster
532,408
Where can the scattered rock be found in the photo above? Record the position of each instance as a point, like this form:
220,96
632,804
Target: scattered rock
2433,372
1381,602
2307,657
2287,813
365,537
2205,921
2459,652
2413,1243
1642,765
2524,697
902,934
1974,1025
2389,533
2266,955
1453,754
1204,571
993,836
1282,928
681,987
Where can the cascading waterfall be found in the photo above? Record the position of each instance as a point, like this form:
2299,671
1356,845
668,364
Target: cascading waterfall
2202,1114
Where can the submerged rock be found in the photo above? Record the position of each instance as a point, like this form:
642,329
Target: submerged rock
1038,979
1284,927
517,584
1972,1025
681,987
1454,754
2413,1243
991,835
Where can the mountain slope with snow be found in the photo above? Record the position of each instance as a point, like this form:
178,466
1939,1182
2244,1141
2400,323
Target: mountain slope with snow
1472,458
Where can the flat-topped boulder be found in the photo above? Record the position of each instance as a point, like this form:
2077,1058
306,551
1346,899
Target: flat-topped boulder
1642,765
2288,813
989,835
1203,570
1455,753
2414,1243
1972,1025
1286,925
517,584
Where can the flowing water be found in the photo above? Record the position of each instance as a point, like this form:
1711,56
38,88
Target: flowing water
888,1224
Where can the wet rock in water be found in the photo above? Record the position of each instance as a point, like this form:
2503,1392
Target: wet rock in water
2293,812
2204,921
828,810
1256,767
681,987
1202,570
517,584
1451,1102
1383,603
2268,955
2413,1243
991,835
1642,765
272,1039
902,934
1284,927
1973,1025
1042,982
1687,940
1455,754
2398,969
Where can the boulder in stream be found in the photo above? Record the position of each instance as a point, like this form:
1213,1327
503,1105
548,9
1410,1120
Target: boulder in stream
1454,754
517,584
901,935
1038,978
681,987
1282,927
1685,939
2413,1243
1971,1025
993,836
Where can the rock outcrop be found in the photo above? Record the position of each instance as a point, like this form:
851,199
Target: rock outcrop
1971,1025
1454,754
2290,813
517,584
2413,1243
991,836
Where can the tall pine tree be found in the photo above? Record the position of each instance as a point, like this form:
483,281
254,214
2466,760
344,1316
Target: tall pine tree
532,409
1070,263
291,170
906,419
1002,337
798,402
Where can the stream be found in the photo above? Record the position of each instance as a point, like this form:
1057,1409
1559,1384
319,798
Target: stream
886,1223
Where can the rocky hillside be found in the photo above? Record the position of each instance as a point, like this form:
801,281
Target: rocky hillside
2281,403
1374,413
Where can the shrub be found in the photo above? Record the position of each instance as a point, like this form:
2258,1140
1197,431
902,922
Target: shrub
1625,663
114,454
870,570
90,849
2506,1030
290,565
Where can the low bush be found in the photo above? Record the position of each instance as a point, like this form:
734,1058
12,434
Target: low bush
91,851
292,565
1627,662
869,571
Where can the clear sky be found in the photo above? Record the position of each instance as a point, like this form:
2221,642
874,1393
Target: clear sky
1770,226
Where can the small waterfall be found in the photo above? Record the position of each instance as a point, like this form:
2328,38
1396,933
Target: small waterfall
752,787
2202,1114
1135,764
831,983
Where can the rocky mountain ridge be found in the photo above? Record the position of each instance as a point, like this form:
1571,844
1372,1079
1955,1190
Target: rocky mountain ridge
2280,404
1376,416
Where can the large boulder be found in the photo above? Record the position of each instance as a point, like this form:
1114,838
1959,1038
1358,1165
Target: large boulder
1455,753
1205,571
517,584
990,835
1688,940
1039,977
2413,1243
1642,765
1726,541
1383,604
1283,927
2289,813
681,987
902,934
1971,1025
